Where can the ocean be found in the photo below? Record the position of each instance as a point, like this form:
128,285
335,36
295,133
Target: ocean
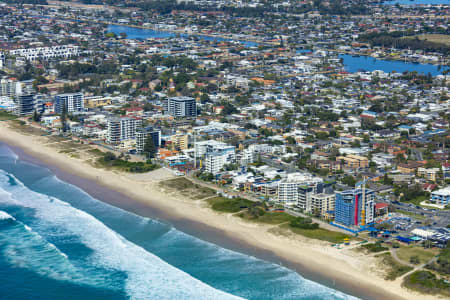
58,242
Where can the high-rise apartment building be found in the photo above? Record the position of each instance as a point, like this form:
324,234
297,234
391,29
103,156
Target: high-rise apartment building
297,188
181,107
349,207
142,135
10,87
25,104
121,129
73,102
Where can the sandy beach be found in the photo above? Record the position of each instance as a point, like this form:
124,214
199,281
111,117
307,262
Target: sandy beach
345,270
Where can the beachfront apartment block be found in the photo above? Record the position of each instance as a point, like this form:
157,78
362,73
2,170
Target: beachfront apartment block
71,102
180,107
349,207
324,204
215,161
142,135
216,154
122,129
113,129
10,87
204,147
46,53
127,128
25,104
441,197
296,189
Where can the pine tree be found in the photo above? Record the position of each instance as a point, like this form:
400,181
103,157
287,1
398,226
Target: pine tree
64,117
149,147
36,116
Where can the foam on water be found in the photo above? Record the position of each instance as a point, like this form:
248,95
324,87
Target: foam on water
93,235
289,285
148,277
5,216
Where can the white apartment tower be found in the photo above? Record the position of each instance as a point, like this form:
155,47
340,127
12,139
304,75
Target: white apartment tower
297,188
121,129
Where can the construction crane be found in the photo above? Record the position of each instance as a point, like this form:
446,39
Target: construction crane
363,204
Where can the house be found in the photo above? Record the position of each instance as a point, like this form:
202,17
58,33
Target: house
441,196
429,174
353,161
409,168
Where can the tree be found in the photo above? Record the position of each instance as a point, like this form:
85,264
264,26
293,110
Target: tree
36,116
149,147
64,117
349,180
387,180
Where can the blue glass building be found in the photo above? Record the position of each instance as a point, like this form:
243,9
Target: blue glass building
348,208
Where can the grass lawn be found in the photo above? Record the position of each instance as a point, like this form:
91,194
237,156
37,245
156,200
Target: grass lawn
5,116
393,268
223,204
427,283
423,255
435,38
269,217
319,234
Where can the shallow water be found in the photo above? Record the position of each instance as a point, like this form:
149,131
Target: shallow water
56,241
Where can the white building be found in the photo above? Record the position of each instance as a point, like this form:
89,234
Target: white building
2,60
181,107
296,189
46,53
204,147
323,203
127,128
71,101
246,157
216,154
9,87
215,161
142,136
121,129
441,196
260,148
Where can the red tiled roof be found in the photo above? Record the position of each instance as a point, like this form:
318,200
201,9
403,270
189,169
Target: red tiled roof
381,205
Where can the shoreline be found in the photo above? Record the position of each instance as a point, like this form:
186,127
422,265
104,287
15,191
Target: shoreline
312,260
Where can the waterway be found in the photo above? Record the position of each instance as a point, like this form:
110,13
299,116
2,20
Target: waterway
368,63
352,64
418,2
142,33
